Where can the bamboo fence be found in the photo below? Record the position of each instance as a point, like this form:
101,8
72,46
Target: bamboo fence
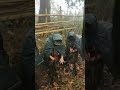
44,30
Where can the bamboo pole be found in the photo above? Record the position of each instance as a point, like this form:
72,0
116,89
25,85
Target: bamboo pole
16,16
47,15
54,31
46,18
60,13
52,23
11,1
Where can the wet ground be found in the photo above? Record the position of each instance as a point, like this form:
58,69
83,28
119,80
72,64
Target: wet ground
109,83
69,82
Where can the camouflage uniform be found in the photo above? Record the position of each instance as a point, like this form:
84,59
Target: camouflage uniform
28,61
74,42
54,47
8,78
99,42
4,60
93,70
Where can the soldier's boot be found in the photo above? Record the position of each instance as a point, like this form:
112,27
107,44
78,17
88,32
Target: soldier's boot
51,78
59,75
116,85
74,70
51,83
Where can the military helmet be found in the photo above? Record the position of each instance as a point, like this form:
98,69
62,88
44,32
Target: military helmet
90,25
71,35
90,18
57,39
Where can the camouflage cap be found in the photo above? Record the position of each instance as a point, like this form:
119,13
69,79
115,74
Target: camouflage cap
71,34
57,37
90,18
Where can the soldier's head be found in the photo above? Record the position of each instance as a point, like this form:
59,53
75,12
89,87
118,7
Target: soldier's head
71,36
90,24
57,39
90,30
1,42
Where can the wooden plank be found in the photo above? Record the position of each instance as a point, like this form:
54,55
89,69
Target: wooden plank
17,7
52,22
5,4
46,15
8,1
12,9
16,16
54,31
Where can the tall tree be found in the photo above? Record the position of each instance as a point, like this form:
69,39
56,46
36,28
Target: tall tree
44,5
103,8
116,36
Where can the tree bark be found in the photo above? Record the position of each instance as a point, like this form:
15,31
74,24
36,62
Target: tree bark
103,9
116,36
44,5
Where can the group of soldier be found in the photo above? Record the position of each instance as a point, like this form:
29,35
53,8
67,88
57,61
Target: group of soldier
57,55
95,47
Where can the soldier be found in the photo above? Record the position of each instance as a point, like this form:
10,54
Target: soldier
98,47
90,52
28,61
8,78
92,56
4,60
73,47
54,52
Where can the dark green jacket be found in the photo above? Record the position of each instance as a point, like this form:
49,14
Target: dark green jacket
50,48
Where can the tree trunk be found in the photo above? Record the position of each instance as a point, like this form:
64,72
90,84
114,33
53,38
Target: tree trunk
103,9
44,5
116,36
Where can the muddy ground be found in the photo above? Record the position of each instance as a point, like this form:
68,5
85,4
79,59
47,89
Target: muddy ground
69,82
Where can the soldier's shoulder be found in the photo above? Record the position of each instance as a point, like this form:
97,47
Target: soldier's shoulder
78,37
30,34
105,25
48,39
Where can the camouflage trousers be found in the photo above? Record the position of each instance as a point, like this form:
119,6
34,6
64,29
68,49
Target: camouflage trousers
72,59
55,71
93,75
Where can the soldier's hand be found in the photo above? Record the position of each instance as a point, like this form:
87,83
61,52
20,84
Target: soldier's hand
71,50
75,50
87,57
61,60
51,57
93,58
98,56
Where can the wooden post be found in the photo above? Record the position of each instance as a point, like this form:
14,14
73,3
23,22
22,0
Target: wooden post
60,13
46,17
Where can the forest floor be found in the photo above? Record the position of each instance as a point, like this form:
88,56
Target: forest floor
69,82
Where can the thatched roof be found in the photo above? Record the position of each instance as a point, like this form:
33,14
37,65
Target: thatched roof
12,9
